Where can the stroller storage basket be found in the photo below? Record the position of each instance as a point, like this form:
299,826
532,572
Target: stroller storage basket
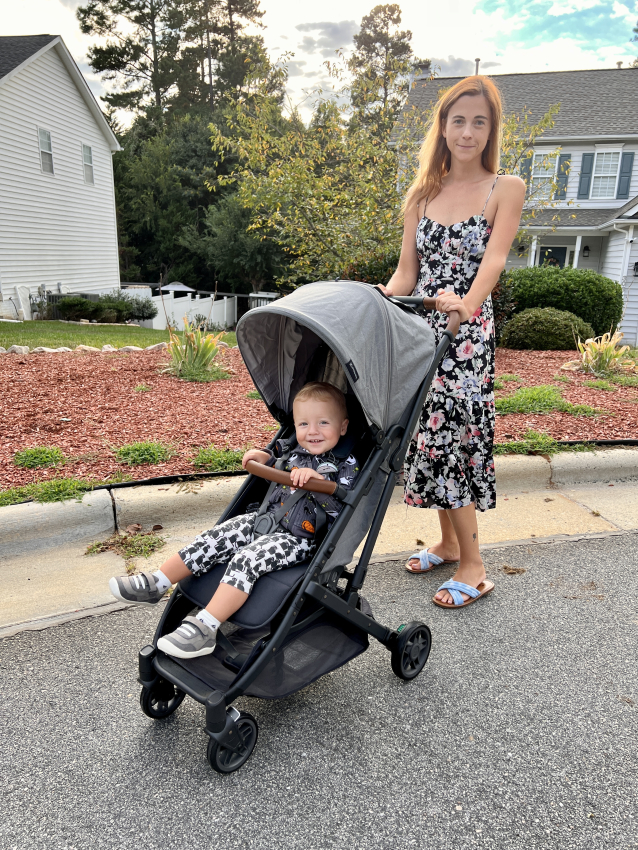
316,649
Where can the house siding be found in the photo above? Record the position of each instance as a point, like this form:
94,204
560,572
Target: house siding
574,175
629,324
53,228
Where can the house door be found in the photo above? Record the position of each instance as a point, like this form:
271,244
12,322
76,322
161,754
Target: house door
553,257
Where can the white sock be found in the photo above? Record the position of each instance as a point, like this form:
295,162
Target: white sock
208,619
162,582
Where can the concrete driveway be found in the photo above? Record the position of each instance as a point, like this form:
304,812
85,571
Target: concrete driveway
521,732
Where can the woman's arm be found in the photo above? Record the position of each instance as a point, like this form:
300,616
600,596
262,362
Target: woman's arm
405,277
505,227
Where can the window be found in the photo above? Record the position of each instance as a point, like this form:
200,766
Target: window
46,151
543,174
87,162
605,174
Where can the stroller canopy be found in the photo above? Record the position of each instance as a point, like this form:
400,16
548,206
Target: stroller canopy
383,350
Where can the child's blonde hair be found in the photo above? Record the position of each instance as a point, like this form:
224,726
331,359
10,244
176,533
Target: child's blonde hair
324,392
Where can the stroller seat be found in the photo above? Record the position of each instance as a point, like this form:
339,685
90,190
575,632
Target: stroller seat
267,598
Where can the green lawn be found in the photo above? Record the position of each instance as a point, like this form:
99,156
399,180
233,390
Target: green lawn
57,334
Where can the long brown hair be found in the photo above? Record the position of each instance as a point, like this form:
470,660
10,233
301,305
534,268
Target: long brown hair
435,157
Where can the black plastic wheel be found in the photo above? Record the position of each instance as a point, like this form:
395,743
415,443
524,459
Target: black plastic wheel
161,701
224,760
411,649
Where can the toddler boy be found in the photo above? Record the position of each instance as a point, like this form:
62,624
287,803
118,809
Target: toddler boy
320,417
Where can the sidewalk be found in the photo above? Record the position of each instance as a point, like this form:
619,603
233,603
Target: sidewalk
47,578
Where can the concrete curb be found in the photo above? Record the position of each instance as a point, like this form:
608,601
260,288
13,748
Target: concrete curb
34,527
31,528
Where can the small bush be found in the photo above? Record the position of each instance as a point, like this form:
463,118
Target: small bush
146,452
596,299
38,457
377,269
503,303
545,329
192,357
74,307
218,460
542,399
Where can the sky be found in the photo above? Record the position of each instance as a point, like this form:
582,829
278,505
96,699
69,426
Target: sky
509,36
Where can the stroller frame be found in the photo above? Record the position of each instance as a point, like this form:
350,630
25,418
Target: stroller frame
233,734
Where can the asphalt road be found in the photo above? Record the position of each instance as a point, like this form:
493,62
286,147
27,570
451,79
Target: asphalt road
521,732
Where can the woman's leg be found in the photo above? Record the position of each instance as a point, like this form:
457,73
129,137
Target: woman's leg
448,546
471,570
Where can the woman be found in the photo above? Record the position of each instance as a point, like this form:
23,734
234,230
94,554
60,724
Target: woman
460,221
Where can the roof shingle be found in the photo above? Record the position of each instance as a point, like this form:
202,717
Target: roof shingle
602,102
16,49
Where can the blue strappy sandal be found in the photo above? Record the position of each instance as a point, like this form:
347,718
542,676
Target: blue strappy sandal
455,588
427,562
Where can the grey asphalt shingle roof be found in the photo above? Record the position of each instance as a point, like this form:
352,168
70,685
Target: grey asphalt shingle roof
599,102
16,49
575,217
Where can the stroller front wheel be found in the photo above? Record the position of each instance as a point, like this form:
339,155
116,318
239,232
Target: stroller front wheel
224,760
411,650
161,700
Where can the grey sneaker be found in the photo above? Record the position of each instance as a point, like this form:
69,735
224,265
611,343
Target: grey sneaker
190,640
137,590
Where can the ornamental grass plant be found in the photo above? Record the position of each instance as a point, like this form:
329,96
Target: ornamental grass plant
603,356
192,358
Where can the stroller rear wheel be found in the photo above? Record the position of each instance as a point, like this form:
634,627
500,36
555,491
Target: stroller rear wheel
225,760
161,700
411,649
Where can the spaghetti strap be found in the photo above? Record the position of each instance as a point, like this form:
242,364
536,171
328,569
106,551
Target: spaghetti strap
489,196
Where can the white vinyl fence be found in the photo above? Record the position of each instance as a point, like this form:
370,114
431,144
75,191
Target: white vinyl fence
223,312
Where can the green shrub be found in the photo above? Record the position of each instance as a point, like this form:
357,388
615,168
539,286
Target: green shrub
377,269
218,460
503,303
541,399
596,299
38,457
545,329
145,452
74,307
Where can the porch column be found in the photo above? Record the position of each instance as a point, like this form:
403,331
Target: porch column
531,259
579,242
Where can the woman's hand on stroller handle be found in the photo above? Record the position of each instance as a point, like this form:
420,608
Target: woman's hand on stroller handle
314,485
455,314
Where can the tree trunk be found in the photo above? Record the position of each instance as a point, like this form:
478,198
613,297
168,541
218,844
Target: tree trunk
155,77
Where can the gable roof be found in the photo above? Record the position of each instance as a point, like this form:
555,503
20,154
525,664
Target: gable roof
597,103
19,51
594,219
16,49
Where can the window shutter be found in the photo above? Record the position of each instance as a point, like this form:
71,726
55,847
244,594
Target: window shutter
526,169
562,176
626,168
586,169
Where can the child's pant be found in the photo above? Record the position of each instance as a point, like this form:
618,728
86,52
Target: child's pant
251,558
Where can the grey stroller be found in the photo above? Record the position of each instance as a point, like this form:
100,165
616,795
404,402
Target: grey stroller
305,621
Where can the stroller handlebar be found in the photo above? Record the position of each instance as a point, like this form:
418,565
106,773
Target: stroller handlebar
454,321
281,477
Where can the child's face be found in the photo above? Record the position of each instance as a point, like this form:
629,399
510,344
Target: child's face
318,425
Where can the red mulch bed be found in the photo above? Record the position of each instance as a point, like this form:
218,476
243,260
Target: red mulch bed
96,394
539,367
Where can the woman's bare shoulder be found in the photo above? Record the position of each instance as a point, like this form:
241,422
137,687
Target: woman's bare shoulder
510,185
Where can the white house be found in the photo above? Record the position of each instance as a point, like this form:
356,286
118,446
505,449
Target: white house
57,201
591,151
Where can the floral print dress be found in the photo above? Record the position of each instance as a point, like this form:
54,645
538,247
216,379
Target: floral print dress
449,463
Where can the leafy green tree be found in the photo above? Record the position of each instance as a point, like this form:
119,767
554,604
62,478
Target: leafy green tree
242,259
141,50
381,65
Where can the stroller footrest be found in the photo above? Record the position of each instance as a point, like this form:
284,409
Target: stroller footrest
182,679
